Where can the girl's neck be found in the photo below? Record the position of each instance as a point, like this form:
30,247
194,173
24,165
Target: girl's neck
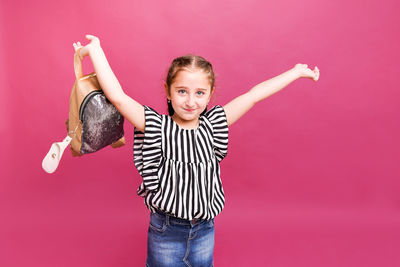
188,125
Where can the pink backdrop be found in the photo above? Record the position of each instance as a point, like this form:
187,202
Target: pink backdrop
312,173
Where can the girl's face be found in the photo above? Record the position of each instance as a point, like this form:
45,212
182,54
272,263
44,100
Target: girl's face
190,93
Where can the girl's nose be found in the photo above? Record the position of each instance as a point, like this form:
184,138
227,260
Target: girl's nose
190,101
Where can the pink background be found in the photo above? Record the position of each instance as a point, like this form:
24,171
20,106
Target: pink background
312,173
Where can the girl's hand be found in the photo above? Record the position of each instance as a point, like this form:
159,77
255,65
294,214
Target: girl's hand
305,72
84,50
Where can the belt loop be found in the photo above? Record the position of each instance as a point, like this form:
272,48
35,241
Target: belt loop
167,219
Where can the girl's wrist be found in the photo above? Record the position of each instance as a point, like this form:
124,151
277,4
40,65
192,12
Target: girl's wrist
296,72
93,49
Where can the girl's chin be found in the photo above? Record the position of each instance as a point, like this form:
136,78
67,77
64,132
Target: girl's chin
188,116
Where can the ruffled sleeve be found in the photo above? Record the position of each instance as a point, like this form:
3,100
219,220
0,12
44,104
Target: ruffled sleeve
147,150
219,123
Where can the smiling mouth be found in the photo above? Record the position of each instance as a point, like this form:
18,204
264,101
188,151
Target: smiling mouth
189,110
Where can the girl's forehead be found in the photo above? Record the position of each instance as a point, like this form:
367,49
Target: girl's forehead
190,78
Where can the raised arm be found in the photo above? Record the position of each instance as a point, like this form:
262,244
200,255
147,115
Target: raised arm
243,103
129,108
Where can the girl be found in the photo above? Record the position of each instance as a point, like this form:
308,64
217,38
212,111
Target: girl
178,155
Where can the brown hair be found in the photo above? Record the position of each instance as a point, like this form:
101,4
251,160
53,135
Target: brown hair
188,61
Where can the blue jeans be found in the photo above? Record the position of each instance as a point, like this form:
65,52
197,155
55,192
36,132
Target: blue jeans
174,242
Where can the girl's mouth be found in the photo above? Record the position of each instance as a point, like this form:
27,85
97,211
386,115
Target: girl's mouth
189,110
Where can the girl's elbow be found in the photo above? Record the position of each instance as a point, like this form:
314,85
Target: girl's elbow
116,99
252,98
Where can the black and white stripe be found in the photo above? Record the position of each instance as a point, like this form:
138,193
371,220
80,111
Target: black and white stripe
180,167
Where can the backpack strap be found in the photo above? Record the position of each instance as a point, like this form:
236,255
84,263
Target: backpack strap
78,64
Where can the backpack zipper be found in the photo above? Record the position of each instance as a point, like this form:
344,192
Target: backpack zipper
85,101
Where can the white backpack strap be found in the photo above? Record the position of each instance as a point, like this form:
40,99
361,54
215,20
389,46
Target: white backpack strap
53,157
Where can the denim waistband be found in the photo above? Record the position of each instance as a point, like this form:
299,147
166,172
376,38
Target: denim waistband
177,220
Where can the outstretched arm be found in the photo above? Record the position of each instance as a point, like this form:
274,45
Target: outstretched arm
243,103
129,108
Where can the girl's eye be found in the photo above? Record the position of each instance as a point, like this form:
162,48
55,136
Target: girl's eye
200,93
181,91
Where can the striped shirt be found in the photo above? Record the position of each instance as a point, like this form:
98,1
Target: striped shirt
180,167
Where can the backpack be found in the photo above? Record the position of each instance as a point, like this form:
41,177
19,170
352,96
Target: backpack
93,122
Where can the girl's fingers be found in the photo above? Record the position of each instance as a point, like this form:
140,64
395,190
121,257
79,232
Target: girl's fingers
316,70
93,39
90,37
77,45
308,72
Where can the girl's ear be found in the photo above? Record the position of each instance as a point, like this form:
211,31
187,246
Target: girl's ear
212,92
166,90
